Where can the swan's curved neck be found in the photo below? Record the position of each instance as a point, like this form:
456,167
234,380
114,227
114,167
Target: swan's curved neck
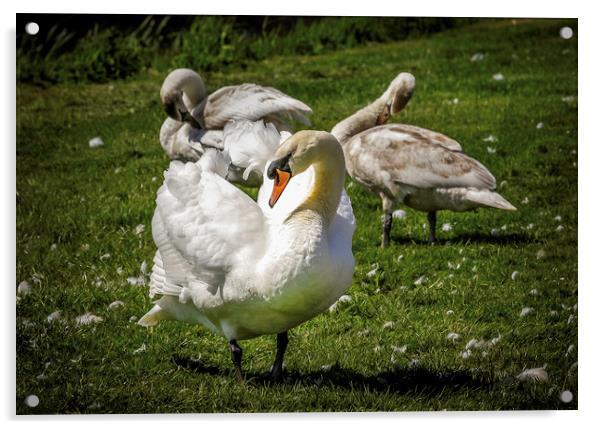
324,197
187,81
361,120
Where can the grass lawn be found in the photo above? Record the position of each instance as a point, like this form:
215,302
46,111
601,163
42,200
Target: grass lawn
79,240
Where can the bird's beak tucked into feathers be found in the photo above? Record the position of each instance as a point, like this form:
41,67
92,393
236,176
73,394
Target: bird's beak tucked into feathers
384,116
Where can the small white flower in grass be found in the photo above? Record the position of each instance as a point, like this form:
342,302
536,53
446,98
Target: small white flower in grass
143,267
540,254
449,312
534,292
399,214
530,226
525,200
133,318
24,288
514,275
96,142
479,56
401,349
56,315
372,273
119,270
376,349
453,337
118,170
53,246
495,232
566,396
326,368
399,258
498,77
503,228
154,179
105,256
526,311
539,125
558,218
536,375
419,280
87,319
135,281
115,305
345,298
490,138
491,149
139,229
446,227
553,313
388,325
85,247
471,344
140,349
465,354
32,401
559,228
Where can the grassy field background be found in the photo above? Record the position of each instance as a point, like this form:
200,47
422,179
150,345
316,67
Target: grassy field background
83,230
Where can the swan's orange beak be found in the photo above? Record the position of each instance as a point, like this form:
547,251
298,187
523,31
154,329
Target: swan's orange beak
280,181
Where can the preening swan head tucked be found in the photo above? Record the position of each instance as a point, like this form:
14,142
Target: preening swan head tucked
396,96
302,150
393,100
183,95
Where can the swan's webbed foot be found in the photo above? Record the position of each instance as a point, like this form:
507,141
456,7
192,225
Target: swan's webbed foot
236,355
432,218
277,373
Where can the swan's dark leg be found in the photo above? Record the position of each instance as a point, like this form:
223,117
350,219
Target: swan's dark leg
236,355
387,220
432,217
281,343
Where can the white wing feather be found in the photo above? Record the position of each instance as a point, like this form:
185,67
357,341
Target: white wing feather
203,226
253,102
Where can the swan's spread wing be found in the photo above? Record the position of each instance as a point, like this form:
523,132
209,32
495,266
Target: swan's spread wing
253,102
389,154
205,225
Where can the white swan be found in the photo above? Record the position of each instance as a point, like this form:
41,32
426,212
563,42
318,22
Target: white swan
422,169
244,269
196,121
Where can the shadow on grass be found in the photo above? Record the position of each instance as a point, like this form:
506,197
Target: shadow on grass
466,239
401,380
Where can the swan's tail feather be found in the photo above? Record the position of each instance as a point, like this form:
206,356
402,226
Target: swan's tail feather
154,316
487,198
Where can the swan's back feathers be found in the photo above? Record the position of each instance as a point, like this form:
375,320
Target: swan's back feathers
390,154
203,225
253,102
427,135
250,144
